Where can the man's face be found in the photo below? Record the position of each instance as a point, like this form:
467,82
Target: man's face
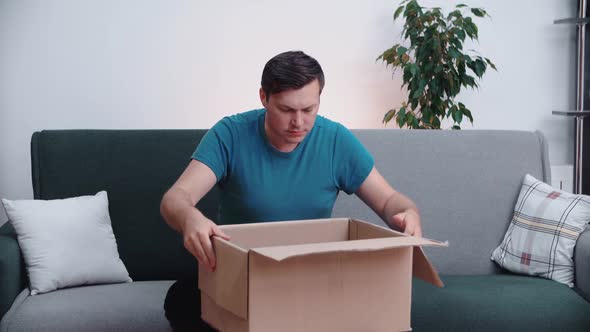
291,115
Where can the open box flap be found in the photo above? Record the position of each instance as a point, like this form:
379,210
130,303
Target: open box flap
227,286
283,233
423,269
280,253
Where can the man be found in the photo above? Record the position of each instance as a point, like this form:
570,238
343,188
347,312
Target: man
282,162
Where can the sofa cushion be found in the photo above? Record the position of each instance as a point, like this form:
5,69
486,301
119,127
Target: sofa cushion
543,232
502,302
67,242
136,306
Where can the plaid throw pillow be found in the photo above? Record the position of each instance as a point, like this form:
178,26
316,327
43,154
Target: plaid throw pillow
543,232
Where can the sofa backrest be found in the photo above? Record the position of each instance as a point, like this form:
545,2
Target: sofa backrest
135,167
465,183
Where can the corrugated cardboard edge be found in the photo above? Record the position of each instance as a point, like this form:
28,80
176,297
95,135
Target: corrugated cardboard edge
227,286
280,253
360,229
281,223
281,233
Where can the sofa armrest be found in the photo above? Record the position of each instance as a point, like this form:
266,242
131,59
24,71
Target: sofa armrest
12,271
582,263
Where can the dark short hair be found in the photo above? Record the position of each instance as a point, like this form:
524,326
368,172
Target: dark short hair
290,70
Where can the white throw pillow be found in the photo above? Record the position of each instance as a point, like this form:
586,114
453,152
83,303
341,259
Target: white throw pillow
541,237
66,242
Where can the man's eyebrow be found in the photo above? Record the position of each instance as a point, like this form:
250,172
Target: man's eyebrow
291,108
284,106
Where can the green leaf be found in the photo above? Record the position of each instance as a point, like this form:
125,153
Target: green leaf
401,50
388,116
412,8
409,118
478,12
454,53
450,85
435,43
437,12
479,68
456,127
454,13
467,113
467,80
458,116
416,94
413,69
433,88
405,58
461,34
461,67
456,42
414,103
491,64
475,30
420,90
426,114
401,116
461,5
389,55
407,74
470,28
398,12
451,110
435,123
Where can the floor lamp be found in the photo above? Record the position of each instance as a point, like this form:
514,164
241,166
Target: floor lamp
579,113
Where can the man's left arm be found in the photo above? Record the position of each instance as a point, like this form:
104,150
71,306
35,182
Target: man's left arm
397,210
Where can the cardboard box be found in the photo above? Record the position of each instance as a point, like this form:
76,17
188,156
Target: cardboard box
313,275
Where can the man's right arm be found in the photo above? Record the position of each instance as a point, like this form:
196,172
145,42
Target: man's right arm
178,209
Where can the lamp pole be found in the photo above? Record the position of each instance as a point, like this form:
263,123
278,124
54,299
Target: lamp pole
579,130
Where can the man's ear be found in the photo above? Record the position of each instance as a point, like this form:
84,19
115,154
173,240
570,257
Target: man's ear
262,97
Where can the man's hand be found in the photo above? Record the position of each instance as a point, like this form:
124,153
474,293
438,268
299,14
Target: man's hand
179,211
197,240
387,203
408,221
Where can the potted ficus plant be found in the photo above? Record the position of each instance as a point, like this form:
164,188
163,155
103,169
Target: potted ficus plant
435,66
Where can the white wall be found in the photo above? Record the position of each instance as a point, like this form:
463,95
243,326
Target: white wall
186,63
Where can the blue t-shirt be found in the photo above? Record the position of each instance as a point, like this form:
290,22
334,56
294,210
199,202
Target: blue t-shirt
260,183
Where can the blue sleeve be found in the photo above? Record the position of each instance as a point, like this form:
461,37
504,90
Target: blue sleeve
352,161
215,149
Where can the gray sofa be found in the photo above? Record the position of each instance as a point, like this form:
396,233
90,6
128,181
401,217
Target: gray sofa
465,183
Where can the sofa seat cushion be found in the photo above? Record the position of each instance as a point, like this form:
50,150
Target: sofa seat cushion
502,302
135,306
